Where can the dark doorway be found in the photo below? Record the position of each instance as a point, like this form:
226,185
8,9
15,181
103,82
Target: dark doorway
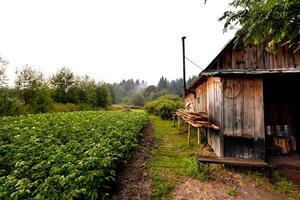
282,113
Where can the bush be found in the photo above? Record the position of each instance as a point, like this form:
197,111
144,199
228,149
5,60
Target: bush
9,105
138,100
164,106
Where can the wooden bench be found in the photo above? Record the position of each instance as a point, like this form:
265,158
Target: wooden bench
233,161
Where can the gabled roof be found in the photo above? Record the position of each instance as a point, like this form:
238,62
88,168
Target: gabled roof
249,60
229,43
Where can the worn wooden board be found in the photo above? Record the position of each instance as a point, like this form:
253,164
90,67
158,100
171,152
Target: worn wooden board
244,113
238,106
248,108
250,162
259,128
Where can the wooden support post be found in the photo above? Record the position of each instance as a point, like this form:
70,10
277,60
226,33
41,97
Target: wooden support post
178,125
184,128
173,120
198,134
189,134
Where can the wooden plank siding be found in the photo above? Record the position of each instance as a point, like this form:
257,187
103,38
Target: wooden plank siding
239,113
243,121
211,102
255,57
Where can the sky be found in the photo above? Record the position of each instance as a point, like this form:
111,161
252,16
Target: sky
111,40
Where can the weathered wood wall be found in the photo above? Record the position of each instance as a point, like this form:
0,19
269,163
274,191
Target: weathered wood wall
209,99
236,105
243,117
255,57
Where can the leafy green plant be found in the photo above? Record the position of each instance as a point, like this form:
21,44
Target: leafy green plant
231,192
65,155
160,188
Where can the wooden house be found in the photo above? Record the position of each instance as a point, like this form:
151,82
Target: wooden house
253,95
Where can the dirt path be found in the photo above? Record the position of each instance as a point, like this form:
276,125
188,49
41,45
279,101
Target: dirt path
134,181
194,189
169,178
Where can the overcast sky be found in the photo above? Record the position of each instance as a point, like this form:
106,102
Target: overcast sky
111,40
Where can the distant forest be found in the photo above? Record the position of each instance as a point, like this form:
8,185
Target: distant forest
128,90
65,91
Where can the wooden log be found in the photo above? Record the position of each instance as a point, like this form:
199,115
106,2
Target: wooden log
198,135
173,120
189,134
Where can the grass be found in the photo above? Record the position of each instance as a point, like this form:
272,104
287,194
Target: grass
174,162
276,182
173,158
199,170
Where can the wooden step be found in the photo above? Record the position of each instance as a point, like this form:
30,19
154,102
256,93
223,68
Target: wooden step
233,161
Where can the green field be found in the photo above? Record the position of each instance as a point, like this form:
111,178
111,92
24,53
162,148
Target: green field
65,155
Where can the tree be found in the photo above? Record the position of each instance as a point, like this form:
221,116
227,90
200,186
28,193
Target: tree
103,97
3,64
28,81
61,82
162,84
274,21
32,90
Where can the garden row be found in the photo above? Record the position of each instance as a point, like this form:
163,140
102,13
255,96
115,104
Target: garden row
65,155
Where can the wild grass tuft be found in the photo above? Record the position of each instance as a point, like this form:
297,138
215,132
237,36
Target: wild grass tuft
231,192
160,188
199,170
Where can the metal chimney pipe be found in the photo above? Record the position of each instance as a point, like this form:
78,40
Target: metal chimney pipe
183,53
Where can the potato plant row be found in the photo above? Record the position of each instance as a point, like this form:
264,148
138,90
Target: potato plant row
65,155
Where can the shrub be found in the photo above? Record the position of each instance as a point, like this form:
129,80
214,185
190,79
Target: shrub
9,105
164,106
138,100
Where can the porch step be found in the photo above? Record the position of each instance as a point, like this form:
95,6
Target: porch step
248,162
